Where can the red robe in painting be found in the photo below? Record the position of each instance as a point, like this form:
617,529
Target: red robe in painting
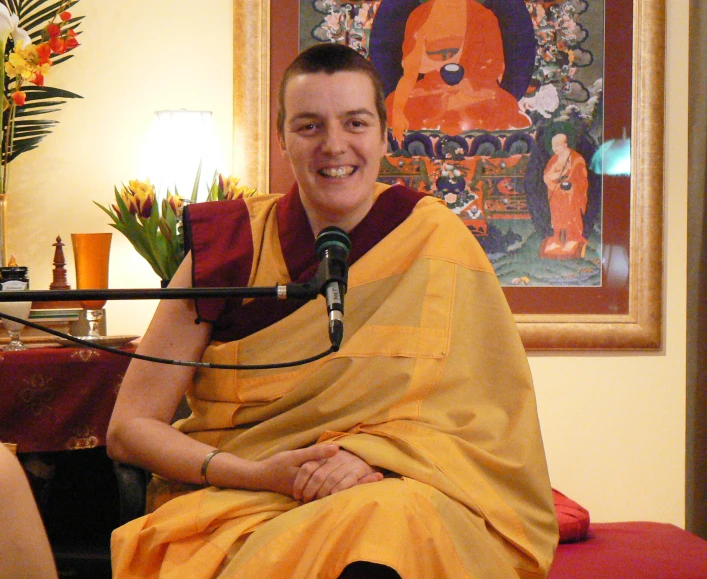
435,37
568,204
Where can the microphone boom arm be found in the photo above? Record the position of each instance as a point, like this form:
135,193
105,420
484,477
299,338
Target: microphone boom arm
305,291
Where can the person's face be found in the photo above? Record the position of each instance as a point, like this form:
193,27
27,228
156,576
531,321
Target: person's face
559,144
332,138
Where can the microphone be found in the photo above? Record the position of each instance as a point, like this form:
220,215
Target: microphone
332,246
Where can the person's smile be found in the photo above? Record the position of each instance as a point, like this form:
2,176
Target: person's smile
339,172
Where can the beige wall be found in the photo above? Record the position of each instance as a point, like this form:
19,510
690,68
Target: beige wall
613,424
137,57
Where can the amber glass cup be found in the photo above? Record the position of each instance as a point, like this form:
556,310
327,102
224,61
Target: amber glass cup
91,254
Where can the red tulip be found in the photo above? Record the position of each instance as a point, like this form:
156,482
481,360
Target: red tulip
19,97
44,52
57,45
53,30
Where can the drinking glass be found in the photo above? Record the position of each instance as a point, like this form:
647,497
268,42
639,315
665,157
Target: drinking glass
91,253
19,310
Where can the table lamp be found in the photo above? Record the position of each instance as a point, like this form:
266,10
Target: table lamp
179,142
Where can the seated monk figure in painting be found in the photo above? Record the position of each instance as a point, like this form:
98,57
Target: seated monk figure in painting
566,178
457,46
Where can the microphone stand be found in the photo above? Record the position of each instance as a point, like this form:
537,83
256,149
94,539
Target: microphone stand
306,291
299,291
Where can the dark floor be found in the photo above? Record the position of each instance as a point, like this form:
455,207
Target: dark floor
79,506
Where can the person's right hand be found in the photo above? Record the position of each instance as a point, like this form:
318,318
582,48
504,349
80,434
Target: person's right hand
318,479
278,473
399,125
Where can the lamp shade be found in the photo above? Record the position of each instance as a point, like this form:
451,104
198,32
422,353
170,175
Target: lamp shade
178,143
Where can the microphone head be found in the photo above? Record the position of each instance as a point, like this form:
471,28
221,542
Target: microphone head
332,239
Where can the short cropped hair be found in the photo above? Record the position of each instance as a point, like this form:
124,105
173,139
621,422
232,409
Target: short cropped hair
329,58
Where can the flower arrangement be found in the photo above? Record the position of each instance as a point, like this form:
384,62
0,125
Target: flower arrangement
155,229
34,36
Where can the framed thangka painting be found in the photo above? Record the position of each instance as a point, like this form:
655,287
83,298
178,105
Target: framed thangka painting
539,123
496,108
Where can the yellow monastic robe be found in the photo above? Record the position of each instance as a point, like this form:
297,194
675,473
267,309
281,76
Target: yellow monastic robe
431,383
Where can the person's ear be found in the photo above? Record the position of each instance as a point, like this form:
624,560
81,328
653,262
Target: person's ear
283,148
384,144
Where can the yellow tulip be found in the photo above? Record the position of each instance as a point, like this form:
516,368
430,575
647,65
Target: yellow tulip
144,194
129,200
231,189
176,202
162,246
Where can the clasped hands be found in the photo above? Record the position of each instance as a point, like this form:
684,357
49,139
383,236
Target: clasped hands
319,471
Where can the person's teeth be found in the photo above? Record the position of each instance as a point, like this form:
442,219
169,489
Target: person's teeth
337,172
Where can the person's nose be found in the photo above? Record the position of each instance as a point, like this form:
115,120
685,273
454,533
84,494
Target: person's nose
334,141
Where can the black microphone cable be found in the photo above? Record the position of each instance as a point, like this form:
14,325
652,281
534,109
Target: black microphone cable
135,355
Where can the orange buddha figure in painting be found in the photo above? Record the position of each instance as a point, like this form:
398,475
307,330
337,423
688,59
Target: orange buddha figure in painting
457,46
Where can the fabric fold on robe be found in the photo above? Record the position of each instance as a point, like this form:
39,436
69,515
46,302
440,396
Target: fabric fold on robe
431,383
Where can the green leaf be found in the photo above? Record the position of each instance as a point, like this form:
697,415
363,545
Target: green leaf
31,109
117,223
27,134
195,189
56,60
140,236
215,193
36,13
42,92
31,123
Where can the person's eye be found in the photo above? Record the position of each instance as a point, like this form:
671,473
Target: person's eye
307,128
357,124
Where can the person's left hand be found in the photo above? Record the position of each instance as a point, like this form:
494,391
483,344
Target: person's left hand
318,479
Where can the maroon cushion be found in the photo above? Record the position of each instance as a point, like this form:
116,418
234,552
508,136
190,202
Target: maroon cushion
572,519
633,551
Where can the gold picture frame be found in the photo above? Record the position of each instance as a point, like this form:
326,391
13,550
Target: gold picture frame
251,91
641,327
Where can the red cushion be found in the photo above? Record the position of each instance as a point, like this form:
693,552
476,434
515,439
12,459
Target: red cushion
572,519
633,551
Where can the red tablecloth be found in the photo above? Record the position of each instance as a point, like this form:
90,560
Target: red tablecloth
58,398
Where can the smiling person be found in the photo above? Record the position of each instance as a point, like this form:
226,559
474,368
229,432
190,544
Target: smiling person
414,451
